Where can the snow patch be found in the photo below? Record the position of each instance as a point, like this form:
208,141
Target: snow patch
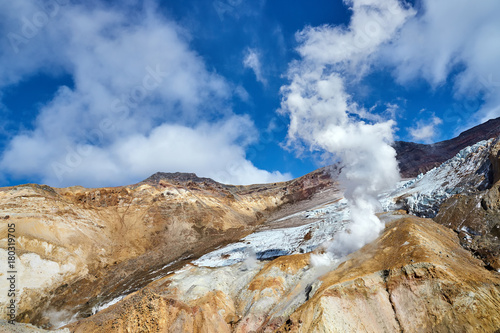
103,306
273,243
423,195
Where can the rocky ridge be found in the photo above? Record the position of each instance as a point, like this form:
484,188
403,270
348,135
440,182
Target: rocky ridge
79,248
415,158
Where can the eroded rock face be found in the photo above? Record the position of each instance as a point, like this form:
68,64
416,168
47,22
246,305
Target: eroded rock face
414,277
476,216
79,248
495,162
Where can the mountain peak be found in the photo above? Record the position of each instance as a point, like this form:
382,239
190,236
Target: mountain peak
181,177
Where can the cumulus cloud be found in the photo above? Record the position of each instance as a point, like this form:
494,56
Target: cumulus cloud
324,116
252,61
372,23
454,41
425,131
142,100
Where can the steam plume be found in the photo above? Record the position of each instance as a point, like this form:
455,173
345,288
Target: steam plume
323,115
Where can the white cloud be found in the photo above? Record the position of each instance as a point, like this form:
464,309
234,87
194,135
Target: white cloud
373,22
142,101
449,36
425,131
252,61
213,150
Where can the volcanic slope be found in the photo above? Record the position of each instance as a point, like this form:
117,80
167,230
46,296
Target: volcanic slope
416,277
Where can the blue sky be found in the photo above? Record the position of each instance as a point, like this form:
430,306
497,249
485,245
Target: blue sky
105,93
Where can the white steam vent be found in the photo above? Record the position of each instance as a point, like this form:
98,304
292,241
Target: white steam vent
323,116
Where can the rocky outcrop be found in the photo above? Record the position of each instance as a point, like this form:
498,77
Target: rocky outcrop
475,216
415,158
178,178
414,277
495,162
